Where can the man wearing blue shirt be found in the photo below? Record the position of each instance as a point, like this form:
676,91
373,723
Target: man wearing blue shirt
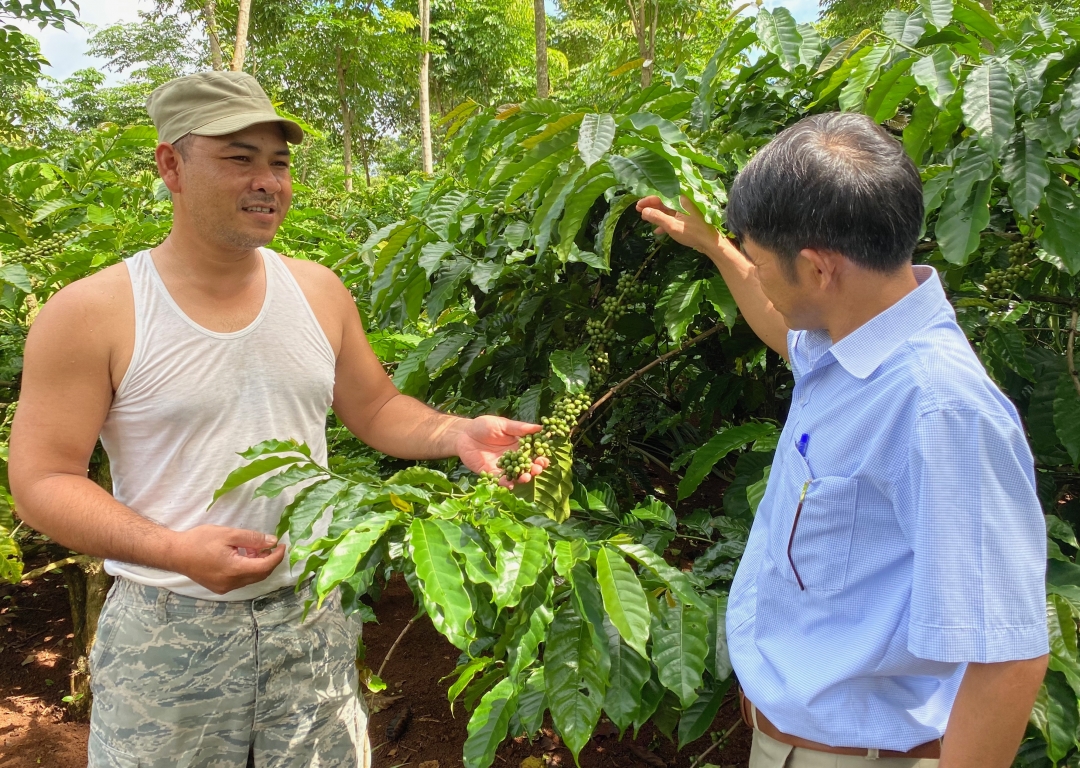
890,603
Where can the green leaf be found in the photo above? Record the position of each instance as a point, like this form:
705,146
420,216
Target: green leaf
572,368
577,208
532,702
656,511
988,106
1055,714
1005,343
528,626
552,207
466,676
488,724
654,126
1024,168
16,275
965,212
250,471
1061,628
568,554
1027,75
536,172
576,681
779,34
652,693
347,553
937,12
606,233
810,47
308,507
917,131
865,74
734,43
551,489
934,73
721,444
719,295
441,582
682,300
421,476
595,136
628,673
1060,214
1069,115
295,474
11,564
410,375
518,567
1067,415
697,719
975,18
679,649
645,173
675,580
624,599
840,51
551,129
717,662
902,27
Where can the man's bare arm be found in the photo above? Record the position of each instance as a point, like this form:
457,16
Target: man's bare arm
692,230
66,394
990,713
367,402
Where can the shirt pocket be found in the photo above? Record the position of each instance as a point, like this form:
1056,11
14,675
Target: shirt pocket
819,540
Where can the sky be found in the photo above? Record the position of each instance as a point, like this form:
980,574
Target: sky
66,49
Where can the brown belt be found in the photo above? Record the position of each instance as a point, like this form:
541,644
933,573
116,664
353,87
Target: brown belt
930,750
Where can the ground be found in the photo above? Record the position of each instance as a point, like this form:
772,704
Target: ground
35,729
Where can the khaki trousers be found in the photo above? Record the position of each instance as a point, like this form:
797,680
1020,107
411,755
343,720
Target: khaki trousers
767,752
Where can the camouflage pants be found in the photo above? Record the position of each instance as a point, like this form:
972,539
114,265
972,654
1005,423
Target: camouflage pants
186,683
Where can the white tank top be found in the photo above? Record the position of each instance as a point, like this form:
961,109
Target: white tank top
193,398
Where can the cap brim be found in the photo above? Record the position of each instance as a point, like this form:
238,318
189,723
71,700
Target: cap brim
294,134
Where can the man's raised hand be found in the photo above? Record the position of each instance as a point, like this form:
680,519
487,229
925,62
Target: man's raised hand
688,228
223,559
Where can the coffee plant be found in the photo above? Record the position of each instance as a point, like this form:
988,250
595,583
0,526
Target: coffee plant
523,279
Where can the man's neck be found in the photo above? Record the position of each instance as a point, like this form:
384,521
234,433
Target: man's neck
206,267
866,295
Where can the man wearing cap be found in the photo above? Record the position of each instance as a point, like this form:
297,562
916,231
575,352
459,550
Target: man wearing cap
179,358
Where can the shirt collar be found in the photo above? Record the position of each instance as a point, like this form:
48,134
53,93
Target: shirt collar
863,351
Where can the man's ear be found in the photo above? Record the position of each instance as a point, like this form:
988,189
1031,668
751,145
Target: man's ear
821,267
168,165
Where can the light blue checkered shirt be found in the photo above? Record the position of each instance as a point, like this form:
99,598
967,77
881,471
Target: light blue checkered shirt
921,544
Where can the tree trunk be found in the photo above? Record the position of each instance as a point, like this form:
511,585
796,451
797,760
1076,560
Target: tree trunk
425,100
88,584
650,57
242,18
346,123
364,155
540,25
209,14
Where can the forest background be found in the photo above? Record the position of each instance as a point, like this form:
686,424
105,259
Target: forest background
469,172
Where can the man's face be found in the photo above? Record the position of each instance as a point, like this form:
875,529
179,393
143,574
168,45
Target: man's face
793,296
237,188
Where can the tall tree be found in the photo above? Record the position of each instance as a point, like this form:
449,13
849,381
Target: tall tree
540,25
646,36
243,16
209,16
346,121
425,97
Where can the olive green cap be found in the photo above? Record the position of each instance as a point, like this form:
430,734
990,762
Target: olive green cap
214,104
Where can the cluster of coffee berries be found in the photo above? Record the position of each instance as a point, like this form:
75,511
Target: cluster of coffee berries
41,249
600,363
613,307
501,209
516,463
1003,281
564,416
598,332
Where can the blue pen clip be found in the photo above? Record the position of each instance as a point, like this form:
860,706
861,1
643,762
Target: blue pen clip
801,443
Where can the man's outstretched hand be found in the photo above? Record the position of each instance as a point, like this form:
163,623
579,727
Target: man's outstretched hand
688,228
481,441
